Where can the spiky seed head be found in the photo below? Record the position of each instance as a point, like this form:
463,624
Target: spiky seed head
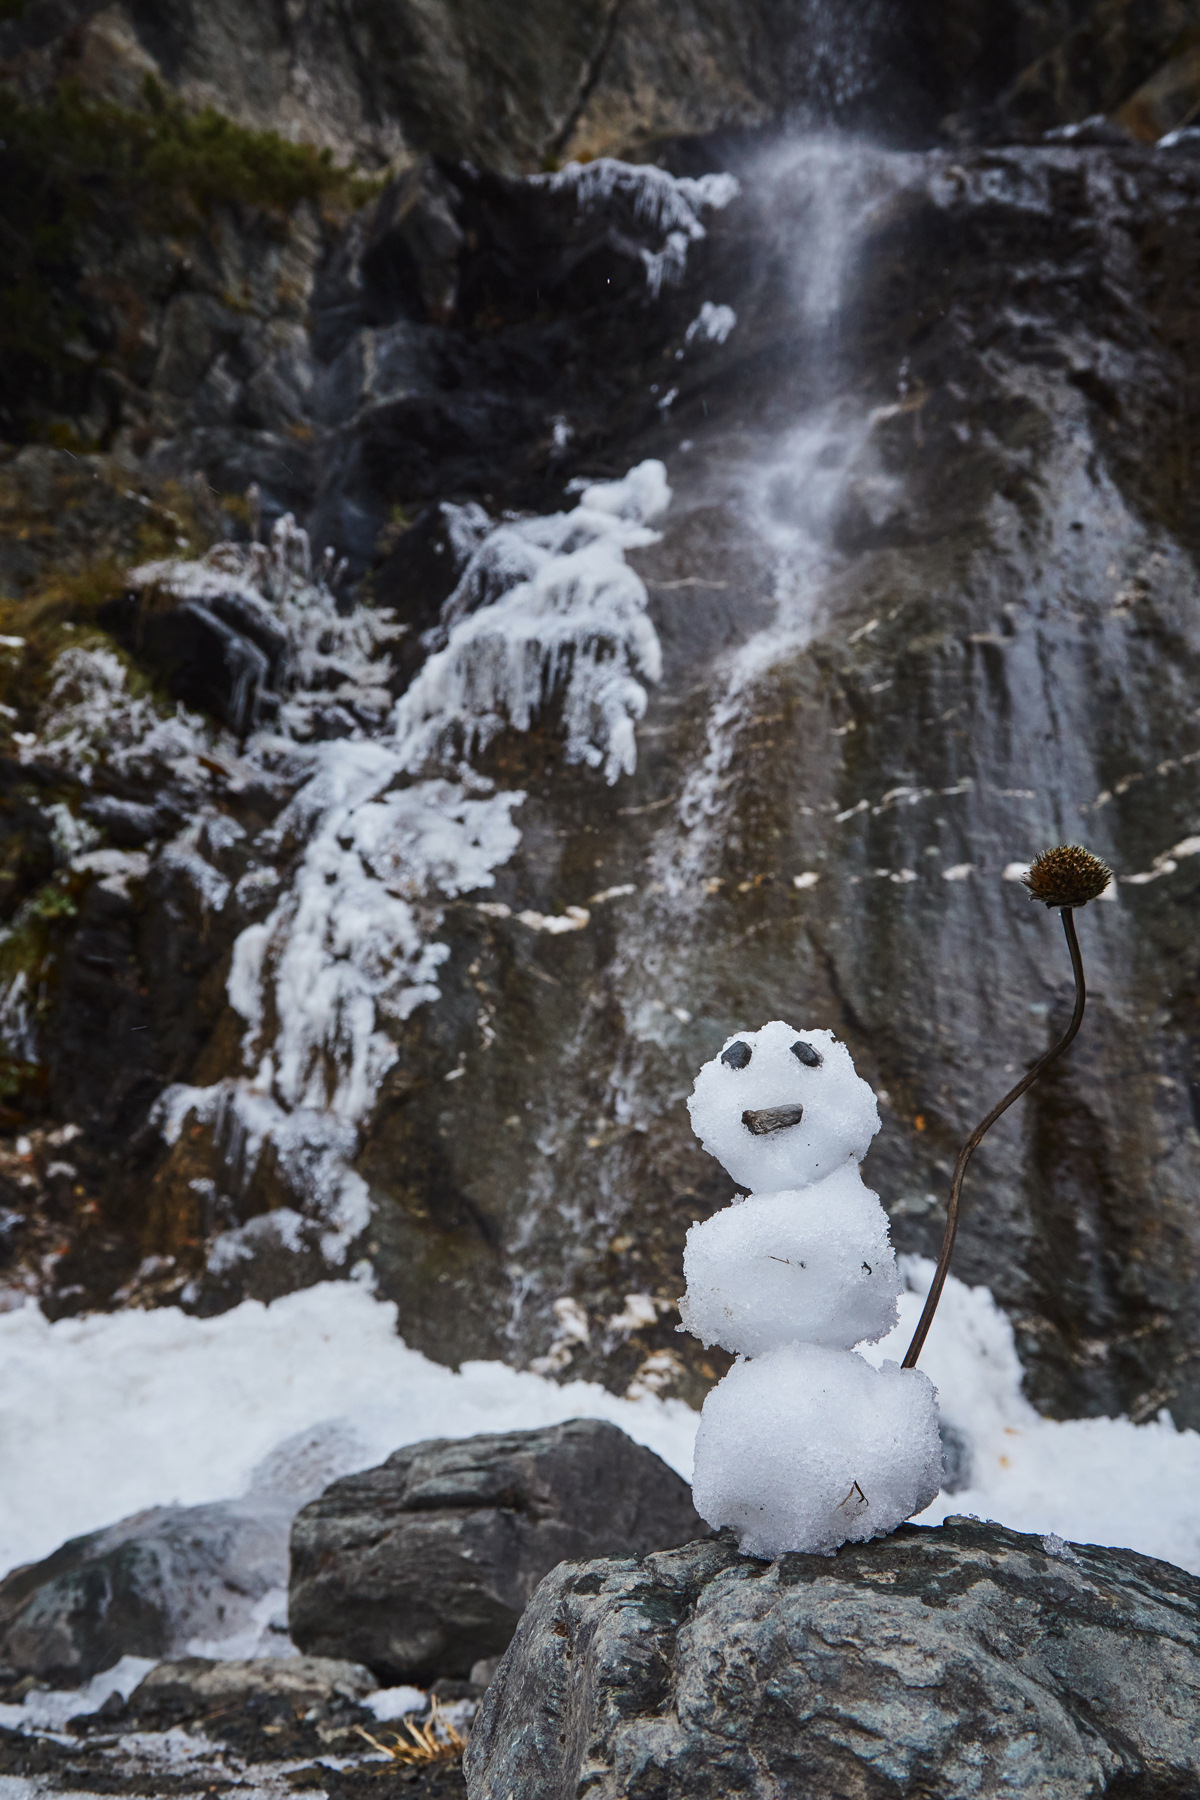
1068,875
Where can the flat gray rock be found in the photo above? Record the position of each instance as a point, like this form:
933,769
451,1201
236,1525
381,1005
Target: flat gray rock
424,1565
962,1660
194,1687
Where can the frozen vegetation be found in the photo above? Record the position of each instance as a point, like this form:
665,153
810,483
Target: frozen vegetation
670,204
546,615
543,606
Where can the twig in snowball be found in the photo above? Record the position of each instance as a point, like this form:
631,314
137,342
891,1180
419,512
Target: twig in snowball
1066,877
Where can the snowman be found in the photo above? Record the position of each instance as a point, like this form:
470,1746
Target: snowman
803,1445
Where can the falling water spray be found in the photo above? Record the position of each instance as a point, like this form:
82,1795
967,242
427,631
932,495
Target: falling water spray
1066,877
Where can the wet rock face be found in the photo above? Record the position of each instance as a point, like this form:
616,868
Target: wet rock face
423,1566
935,1662
925,603
986,641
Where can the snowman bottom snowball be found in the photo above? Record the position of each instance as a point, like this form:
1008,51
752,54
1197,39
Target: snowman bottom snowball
805,1448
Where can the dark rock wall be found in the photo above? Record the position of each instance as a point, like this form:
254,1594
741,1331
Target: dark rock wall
510,87
938,480
1034,649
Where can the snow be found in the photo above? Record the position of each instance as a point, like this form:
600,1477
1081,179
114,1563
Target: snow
115,868
333,670
669,204
392,1703
1165,863
806,1448
839,1113
815,1265
1053,1545
1095,1481
569,618
115,1412
342,954
712,324
48,1709
667,201
89,713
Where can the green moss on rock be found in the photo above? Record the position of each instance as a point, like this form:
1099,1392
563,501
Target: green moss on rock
76,169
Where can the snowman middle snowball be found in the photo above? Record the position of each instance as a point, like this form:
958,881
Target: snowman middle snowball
805,1446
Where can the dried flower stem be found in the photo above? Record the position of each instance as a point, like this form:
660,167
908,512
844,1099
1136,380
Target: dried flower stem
980,1131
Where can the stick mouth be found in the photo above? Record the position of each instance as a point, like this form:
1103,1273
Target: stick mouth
772,1118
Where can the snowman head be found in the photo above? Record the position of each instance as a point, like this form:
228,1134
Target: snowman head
781,1108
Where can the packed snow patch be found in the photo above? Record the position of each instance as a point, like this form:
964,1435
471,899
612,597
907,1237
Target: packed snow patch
392,1703
1095,1481
779,1068
814,1264
806,1447
115,1412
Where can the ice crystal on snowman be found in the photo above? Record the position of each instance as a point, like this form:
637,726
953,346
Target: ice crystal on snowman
803,1445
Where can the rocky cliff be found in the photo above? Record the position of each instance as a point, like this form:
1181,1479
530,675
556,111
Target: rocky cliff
380,908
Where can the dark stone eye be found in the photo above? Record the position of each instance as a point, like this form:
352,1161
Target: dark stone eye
737,1055
812,1059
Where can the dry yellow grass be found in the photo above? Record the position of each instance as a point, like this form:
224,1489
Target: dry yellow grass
437,1740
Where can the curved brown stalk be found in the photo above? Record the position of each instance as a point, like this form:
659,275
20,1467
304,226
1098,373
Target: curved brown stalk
965,1154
